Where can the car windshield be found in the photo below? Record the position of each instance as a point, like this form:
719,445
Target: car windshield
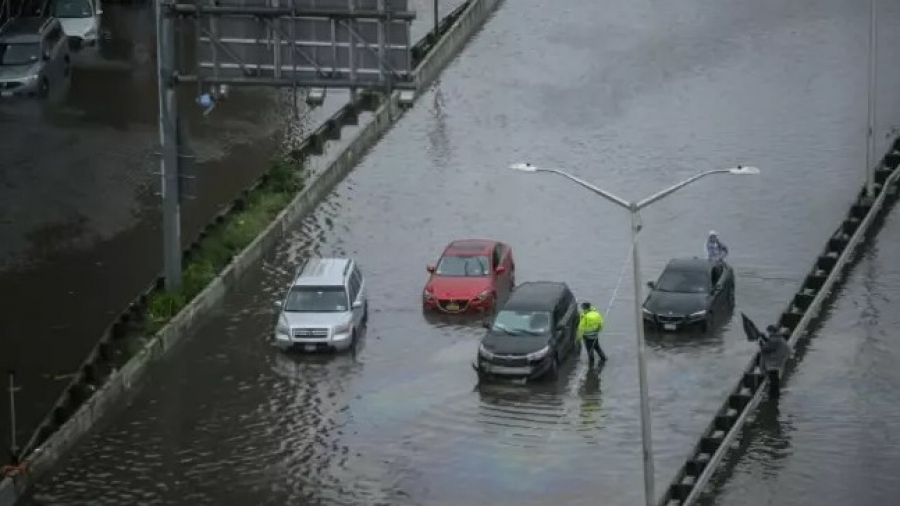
474,265
683,281
72,9
19,54
529,323
316,299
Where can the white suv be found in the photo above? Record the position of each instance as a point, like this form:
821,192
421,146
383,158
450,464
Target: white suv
325,307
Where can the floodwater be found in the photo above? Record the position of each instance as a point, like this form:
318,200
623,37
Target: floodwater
632,95
79,228
832,437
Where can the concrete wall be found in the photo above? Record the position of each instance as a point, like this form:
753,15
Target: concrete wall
122,384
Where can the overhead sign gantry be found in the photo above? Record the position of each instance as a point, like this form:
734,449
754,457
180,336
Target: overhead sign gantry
316,44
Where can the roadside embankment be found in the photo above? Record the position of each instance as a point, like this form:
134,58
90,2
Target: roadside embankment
157,320
798,319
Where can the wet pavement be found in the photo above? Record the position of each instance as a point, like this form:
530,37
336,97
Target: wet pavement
634,101
839,408
79,227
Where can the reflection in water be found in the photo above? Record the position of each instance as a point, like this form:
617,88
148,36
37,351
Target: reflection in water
438,139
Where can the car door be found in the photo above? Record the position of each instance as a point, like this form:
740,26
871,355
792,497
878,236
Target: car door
500,280
53,51
354,287
718,286
560,343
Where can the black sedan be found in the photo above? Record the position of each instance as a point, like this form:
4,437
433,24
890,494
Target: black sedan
689,292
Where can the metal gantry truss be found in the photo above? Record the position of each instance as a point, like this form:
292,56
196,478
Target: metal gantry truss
352,44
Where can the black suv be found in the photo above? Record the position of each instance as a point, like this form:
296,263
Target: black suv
532,334
690,291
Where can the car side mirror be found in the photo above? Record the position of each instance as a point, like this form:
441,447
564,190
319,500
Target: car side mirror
500,269
99,11
486,324
277,304
356,305
430,269
651,285
45,55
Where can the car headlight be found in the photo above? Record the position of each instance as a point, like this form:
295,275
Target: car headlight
282,329
427,295
483,295
541,353
342,329
484,352
698,314
646,311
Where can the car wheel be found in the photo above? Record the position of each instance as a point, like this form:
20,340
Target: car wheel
44,89
731,298
67,68
365,315
708,322
353,340
553,373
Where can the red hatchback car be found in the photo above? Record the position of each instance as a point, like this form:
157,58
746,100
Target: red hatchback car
472,276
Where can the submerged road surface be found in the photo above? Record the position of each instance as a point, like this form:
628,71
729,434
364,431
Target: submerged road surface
634,96
832,439
79,221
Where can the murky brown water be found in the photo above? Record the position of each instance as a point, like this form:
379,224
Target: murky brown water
832,439
634,96
79,230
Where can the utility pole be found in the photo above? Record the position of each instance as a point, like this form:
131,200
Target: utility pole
168,137
13,443
873,89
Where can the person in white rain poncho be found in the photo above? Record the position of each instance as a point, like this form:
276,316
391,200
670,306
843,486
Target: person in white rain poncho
716,251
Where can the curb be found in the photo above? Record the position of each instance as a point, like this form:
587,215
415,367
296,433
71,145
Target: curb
125,382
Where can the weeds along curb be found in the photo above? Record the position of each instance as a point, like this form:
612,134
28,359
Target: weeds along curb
273,205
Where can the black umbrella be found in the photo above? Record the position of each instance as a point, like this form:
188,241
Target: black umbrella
751,330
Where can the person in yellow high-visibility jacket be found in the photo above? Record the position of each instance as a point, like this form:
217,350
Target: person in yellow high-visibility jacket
589,327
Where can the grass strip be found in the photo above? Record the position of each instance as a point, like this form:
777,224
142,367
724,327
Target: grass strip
227,239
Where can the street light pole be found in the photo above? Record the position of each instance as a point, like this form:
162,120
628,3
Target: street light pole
873,86
634,208
646,430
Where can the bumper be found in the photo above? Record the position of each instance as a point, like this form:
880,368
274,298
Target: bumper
458,306
82,42
338,342
672,323
19,88
533,370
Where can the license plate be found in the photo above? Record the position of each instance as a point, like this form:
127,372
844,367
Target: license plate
309,347
452,307
669,326
499,369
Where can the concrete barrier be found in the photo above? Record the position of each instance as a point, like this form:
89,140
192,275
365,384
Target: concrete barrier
123,383
806,306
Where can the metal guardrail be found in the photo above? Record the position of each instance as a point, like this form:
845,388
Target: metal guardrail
716,441
98,365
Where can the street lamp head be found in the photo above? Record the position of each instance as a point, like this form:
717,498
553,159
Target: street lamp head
740,170
524,167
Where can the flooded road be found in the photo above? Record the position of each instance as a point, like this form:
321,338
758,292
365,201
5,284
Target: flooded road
634,101
840,407
79,226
